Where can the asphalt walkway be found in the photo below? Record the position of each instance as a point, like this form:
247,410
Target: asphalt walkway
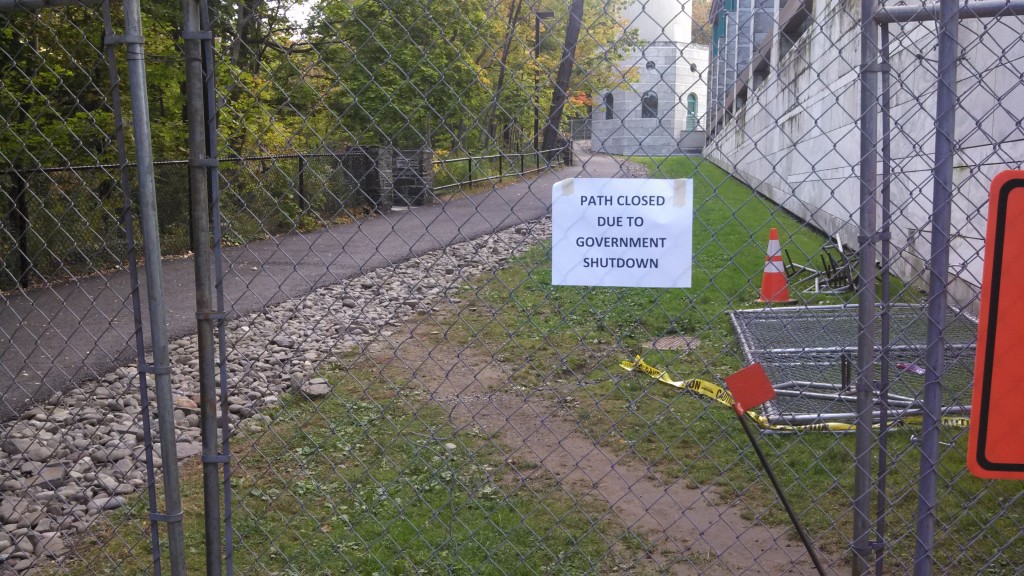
55,337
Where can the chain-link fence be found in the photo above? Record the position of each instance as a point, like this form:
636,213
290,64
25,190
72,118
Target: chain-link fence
278,298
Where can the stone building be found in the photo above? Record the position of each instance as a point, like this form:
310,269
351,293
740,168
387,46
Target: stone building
785,100
661,109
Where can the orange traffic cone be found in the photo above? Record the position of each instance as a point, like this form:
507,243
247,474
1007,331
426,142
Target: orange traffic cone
773,285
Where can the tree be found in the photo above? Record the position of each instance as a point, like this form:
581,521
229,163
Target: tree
399,71
700,26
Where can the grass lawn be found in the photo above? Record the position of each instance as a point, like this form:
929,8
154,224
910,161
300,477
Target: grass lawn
578,335
365,483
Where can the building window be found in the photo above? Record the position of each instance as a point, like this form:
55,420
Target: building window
649,105
609,106
691,111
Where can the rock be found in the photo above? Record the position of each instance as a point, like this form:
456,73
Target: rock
106,503
111,455
185,403
283,341
106,482
50,545
15,446
25,545
38,453
13,485
32,518
316,389
9,514
188,449
50,477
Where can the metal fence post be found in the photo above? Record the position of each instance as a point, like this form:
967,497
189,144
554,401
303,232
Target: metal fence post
882,501
133,275
303,204
213,172
865,438
938,272
199,163
21,224
154,283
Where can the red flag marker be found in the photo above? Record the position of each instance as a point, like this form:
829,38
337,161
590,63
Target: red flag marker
751,387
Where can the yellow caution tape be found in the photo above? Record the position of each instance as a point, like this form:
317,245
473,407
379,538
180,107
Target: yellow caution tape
722,396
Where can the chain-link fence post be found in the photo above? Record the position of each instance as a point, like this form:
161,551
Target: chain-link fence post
200,163
882,500
133,275
154,286
865,438
938,274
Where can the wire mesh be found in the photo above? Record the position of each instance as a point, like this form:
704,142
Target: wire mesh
403,388
804,352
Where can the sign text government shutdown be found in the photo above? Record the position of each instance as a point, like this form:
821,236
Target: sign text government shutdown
622,232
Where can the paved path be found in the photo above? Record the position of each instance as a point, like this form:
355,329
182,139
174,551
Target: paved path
54,337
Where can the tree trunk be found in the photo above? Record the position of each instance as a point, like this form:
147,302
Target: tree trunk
492,108
560,93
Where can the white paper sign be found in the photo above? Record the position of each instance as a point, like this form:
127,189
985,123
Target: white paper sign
622,232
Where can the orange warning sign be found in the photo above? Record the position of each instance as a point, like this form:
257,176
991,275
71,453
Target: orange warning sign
995,449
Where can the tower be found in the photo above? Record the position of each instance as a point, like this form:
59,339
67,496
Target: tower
660,111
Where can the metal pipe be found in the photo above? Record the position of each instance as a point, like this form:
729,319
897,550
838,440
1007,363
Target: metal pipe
942,192
808,545
930,12
897,414
537,16
133,278
302,202
210,105
154,283
864,435
882,502
22,225
200,217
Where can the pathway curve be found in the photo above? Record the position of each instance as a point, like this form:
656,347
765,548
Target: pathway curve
55,337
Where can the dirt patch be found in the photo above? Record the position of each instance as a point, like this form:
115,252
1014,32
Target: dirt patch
684,530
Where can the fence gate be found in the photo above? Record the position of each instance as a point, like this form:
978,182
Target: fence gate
78,436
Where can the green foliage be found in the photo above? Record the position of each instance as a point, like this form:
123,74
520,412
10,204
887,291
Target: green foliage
357,72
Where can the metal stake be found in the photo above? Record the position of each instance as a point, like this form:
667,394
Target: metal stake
882,502
741,415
